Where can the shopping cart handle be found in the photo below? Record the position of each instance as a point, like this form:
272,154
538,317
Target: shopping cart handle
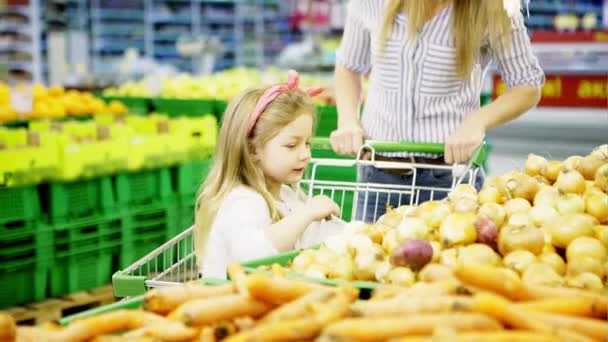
477,159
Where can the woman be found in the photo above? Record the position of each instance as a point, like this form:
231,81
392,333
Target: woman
426,62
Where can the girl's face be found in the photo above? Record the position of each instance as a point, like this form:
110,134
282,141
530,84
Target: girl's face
285,157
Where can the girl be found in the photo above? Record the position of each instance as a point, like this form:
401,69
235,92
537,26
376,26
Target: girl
248,208
426,61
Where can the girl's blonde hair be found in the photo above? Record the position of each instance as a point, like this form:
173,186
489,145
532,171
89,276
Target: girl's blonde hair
234,164
472,20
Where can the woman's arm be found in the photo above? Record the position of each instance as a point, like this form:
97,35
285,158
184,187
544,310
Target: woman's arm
461,145
523,77
348,138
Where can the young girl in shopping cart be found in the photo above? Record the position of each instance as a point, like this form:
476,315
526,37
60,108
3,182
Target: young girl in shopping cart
248,206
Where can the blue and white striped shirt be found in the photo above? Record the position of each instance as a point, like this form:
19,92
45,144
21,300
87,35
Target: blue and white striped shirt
414,92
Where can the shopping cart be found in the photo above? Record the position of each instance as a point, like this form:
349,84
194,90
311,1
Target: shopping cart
175,262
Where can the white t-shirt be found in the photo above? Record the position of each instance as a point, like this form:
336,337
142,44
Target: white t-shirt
238,231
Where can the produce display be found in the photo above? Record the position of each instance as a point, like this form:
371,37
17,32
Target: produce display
55,102
546,225
222,85
479,304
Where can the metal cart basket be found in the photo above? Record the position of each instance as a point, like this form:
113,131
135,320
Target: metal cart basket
175,262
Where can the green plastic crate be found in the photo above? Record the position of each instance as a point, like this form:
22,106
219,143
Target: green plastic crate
82,198
327,120
81,271
19,205
21,282
136,105
220,108
184,107
85,235
144,187
190,175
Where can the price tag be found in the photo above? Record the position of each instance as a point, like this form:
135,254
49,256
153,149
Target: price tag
22,100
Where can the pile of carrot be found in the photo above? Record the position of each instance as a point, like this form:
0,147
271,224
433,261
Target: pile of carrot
479,304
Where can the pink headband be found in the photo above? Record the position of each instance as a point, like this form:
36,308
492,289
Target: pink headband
293,83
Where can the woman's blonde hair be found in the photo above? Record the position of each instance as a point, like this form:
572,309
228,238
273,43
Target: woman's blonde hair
472,20
234,164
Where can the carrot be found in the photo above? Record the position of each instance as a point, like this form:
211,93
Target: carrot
8,328
299,307
501,309
582,306
307,327
239,279
489,336
277,290
445,287
383,328
207,335
594,328
123,338
403,305
165,299
545,292
490,279
200,312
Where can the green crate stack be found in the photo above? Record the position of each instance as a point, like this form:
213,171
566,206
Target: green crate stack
146,187
25,247
85,198
147,228
184,107
327,119
189,177
83,253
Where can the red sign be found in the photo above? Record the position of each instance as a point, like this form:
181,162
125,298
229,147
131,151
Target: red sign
568,91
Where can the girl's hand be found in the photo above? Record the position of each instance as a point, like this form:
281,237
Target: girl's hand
321,207
461,145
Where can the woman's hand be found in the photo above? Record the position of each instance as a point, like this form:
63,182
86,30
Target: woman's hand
461,145
347,139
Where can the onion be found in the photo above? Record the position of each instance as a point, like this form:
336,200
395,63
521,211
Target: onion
517,205
589,165
555,261
585,264
586,246
512,238
591,189
487,231
449,257
541,274
478,253
494,212
401,276
601,178
600,151
586,281
433,212
571,163
436,251
413,228
491,194
465,205
542,180
519,260
554,167
458,229
413,254
570,204
435,272
535,165
570,227
542,215
391,240
601,233
596,205
546,196
520,219
570,182
391,218
520,185
342,268
463,190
